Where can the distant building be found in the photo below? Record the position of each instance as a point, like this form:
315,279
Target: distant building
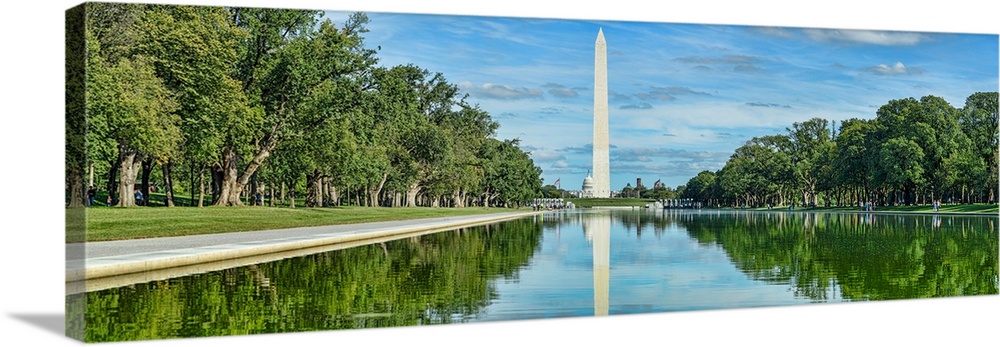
587,190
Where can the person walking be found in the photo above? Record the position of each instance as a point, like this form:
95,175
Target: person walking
91,193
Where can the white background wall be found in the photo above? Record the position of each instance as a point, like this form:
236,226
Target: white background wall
32,139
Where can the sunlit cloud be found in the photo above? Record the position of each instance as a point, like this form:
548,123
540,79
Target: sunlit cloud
885,38
639,106
763,104
895,69
503,92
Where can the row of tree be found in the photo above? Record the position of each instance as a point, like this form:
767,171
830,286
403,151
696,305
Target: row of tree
912,152
238,102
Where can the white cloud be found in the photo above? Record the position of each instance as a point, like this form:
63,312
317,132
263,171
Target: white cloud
885,38
542,155
639,106
896,69
497,91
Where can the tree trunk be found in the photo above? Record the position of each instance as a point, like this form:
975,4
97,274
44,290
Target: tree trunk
77,192
233,181
201,186
113,176
411,194
229,189
291,198
216,184
130,162
147,169
283,191
456,198
254,190
375,191
332,191
324,192
313,190
168,183
191,189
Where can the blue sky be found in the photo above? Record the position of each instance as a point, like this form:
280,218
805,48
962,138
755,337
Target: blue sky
682,96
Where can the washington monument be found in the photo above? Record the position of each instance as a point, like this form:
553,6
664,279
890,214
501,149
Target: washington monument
602,174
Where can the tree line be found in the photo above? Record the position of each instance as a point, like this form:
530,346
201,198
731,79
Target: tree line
227,104
912,152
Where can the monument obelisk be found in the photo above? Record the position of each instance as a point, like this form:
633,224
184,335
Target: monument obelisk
602,171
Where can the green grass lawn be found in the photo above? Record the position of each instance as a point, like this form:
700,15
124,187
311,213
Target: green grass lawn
104,223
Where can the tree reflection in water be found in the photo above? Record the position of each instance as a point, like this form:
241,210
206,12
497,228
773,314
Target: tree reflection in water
454,276
866,256
438,278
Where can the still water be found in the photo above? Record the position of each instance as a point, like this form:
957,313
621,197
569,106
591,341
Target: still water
569,263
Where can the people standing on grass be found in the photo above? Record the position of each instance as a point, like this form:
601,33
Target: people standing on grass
109,201
138,197
91,193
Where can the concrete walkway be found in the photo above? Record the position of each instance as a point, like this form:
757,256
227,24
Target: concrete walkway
99,265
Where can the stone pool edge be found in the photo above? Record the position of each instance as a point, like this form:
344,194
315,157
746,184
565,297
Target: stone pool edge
82,270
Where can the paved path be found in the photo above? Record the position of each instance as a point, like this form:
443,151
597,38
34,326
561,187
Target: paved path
97,260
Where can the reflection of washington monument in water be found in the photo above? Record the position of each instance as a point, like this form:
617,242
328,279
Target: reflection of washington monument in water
597,228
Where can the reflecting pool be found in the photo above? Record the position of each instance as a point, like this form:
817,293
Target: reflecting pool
569,263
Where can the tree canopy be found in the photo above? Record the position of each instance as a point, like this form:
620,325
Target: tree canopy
238,102
912,152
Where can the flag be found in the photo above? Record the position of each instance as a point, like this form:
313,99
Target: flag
656,184
557,182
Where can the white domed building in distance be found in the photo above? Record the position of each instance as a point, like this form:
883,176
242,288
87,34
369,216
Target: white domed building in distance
587,191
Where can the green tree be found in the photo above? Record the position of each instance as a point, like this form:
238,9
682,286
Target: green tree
856,158
194,49
978,120
810,141
757,171
700,187
511,177
285,64
945,139
110,32
903,164
137,111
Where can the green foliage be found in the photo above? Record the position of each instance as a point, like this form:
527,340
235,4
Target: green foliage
701,187
432,279
132,106
912,152
267,98
866,257
510,174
